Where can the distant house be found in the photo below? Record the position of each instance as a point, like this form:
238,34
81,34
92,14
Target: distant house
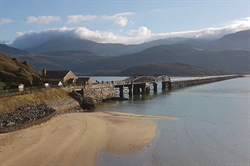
83,81
59,77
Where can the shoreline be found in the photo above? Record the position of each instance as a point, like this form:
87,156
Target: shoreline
77,138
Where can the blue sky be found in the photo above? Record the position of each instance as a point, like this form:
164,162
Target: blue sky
25,22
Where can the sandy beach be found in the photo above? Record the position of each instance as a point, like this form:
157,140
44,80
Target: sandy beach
76,139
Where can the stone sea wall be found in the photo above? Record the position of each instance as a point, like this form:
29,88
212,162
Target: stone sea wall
33,114
99,92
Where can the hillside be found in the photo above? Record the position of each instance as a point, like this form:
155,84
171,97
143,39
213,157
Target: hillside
170,69
60,60
11,51
14,72
231,60
66,44
238,40
82,61
226,60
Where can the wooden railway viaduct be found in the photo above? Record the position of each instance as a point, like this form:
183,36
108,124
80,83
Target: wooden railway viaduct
136,85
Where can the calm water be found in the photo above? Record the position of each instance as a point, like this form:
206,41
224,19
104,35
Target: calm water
211,126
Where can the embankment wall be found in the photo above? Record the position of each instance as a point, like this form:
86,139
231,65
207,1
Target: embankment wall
98,92
197,81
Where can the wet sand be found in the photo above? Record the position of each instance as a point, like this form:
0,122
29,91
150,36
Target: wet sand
76,139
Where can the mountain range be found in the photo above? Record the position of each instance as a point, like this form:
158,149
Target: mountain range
229,54
238,40
65,44
170,69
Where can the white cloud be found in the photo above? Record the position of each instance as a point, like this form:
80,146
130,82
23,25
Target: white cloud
115,16
5,21
20,34
42,19
234,26
132,32
144,31
120,19
80,18
142,34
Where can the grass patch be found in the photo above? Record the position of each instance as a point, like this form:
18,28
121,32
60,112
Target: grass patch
42,95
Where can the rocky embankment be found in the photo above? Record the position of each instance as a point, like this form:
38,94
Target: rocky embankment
32,114
24,117
12,119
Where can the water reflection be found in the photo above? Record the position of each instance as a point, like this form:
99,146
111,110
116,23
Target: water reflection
212,125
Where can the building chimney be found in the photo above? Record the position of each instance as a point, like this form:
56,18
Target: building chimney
43,73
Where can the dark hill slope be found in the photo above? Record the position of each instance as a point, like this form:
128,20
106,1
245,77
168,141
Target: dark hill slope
170,69
65,44
14,72
61,60
227,60
11,51
78,44
238,40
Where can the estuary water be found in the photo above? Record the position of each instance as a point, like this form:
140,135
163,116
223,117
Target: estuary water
211,126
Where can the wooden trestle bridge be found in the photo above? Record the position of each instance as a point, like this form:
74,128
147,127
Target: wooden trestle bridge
141,84
136,85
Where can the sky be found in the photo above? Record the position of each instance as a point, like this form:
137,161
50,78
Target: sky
27,23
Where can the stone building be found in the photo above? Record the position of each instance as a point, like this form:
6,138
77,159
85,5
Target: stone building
59,77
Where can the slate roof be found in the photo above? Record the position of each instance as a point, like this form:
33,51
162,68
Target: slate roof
56,74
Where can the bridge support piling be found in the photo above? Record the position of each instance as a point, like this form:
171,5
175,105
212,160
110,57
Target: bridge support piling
155,87
169,85
121,88
143,89
136,90
148,90
164,85
130,90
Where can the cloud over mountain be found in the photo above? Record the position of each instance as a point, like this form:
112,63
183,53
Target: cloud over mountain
142,34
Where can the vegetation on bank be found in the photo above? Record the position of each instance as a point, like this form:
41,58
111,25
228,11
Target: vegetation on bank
42,95
13,72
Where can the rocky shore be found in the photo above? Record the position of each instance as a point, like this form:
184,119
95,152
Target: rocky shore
24,116
33,114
